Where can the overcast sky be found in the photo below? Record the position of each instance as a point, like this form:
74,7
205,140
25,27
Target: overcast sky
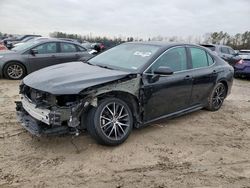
142,18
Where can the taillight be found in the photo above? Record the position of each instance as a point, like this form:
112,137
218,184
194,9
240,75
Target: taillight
240,61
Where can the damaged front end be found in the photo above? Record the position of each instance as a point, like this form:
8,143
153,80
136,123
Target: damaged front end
42,113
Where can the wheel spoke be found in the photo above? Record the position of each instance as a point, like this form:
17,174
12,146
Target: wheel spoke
120,117
121,128
122,124
105,124
110,111
108,119
107,128
120,113
111,131
115,132
114,112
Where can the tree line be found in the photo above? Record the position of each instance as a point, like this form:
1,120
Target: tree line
237,41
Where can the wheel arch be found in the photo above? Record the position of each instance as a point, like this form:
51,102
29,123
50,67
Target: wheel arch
131,100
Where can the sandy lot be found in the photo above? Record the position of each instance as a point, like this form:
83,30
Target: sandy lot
202,149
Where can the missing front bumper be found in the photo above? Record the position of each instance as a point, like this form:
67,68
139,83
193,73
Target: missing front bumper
36,127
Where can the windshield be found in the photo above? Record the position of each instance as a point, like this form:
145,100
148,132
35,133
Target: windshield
24,46
125,56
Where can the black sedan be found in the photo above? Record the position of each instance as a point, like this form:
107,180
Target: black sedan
130,85
36,54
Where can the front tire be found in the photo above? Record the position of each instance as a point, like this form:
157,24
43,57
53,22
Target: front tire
14,71
111,122
217,97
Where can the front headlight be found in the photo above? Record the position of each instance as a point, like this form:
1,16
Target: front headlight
1,56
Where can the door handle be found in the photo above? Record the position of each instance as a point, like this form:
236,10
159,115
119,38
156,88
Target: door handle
53,56
188,77
214,72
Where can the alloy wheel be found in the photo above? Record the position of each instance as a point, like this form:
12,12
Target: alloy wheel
219,96
15,71
114,121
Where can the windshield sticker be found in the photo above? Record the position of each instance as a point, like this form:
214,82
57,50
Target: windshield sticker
134,68
142,54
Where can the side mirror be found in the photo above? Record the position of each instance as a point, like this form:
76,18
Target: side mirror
163,71
236,54
33,51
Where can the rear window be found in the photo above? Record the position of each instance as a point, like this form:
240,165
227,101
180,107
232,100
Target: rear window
67,47
199,58
224,50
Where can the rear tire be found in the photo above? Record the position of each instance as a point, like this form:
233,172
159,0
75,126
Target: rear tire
216,98
111,122
14,71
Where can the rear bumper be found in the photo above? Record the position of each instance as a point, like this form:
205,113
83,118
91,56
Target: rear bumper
242,70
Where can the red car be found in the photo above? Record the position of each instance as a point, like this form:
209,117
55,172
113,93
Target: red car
2,47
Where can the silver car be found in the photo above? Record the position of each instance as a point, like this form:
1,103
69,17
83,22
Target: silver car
34,55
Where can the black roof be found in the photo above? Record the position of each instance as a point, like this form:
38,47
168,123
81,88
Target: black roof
164,44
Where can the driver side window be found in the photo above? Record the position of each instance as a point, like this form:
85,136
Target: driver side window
175,59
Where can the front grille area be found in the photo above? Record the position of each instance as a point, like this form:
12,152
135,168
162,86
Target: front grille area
37,97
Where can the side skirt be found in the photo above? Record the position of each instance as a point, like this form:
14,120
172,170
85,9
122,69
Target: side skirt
174,114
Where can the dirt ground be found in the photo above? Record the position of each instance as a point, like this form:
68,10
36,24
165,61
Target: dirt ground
202,149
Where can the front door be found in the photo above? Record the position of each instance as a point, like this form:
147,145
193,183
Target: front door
47,55
167,94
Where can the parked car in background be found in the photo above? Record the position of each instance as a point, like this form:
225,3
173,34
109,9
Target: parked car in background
29,39
3,47
130,85
71,40
36,54
225,52
98,47
242,68
244,53
10,42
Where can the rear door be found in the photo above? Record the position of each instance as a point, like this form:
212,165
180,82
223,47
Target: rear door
204,75
47,55
83,53
69,52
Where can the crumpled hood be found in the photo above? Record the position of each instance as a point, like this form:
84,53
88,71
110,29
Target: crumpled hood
71,78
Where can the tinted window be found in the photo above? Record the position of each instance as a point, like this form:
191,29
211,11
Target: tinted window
47,48
199,58
210,59
67,48
224,50
175,59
